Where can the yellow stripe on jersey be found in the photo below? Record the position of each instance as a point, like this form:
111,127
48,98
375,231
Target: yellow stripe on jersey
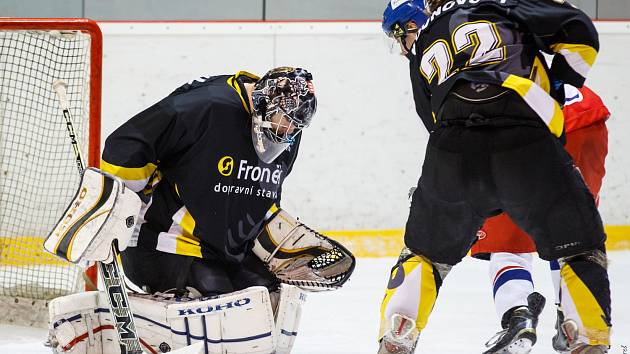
129,173
580,57
188,225
588,309
135,178
155,178
544,105
248,74
242,95
188,247
539,75
556,125
272,210
187,243
540,78
179,239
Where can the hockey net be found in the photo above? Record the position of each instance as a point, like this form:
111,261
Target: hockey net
38,174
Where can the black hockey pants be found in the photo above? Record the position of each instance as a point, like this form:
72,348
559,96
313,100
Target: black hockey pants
492,157
159,271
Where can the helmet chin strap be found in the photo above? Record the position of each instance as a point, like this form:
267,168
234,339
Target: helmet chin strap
401,34
408,53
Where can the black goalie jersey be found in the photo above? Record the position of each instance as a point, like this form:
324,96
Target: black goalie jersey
499,42
191,159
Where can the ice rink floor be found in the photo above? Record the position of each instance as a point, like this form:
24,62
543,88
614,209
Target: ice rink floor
346,321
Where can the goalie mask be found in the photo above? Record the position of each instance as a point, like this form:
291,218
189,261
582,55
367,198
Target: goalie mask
283,104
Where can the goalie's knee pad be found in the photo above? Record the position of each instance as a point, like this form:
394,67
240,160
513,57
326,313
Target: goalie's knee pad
585,296
412,290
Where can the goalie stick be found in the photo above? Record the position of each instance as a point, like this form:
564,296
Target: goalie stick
117,295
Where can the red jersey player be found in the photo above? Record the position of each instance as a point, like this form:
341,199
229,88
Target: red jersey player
509,249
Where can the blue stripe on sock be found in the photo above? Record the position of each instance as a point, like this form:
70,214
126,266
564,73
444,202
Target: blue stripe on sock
512,274
554,265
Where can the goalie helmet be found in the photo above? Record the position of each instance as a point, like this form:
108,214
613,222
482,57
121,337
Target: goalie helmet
284,94
398,13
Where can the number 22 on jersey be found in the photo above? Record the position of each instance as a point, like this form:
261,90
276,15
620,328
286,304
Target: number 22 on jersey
482,36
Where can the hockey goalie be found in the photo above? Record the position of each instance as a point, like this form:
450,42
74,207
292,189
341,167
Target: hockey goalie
194,208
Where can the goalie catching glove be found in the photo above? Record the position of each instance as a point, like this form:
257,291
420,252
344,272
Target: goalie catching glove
103,210
300,256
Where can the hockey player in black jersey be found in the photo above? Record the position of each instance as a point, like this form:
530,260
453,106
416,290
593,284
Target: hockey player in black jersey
490,102
218,258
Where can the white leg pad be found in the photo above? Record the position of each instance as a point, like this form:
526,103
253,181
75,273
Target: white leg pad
241,322
288,317
236,323
77,325
149,314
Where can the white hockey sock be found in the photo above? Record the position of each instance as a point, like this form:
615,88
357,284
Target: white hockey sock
555,279
511,280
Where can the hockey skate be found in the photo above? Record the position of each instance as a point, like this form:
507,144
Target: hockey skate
401,338
564,340
559,341
519,328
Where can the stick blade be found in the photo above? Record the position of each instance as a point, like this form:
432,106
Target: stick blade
59,83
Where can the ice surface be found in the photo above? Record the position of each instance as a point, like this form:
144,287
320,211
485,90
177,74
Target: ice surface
346,321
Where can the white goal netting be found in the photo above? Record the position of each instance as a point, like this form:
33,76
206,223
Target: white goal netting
38,174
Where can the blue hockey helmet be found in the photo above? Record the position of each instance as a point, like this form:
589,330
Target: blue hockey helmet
399,12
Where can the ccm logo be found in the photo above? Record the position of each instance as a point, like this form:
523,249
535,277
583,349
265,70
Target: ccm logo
215,308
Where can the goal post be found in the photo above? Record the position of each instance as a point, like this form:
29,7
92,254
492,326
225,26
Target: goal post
38,175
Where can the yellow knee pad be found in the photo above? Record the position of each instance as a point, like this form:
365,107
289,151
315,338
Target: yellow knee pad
412,290
585,296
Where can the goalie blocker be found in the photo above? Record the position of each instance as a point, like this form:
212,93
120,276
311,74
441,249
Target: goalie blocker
102,211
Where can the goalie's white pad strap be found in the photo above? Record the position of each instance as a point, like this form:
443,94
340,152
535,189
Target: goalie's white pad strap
102,210
288,317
